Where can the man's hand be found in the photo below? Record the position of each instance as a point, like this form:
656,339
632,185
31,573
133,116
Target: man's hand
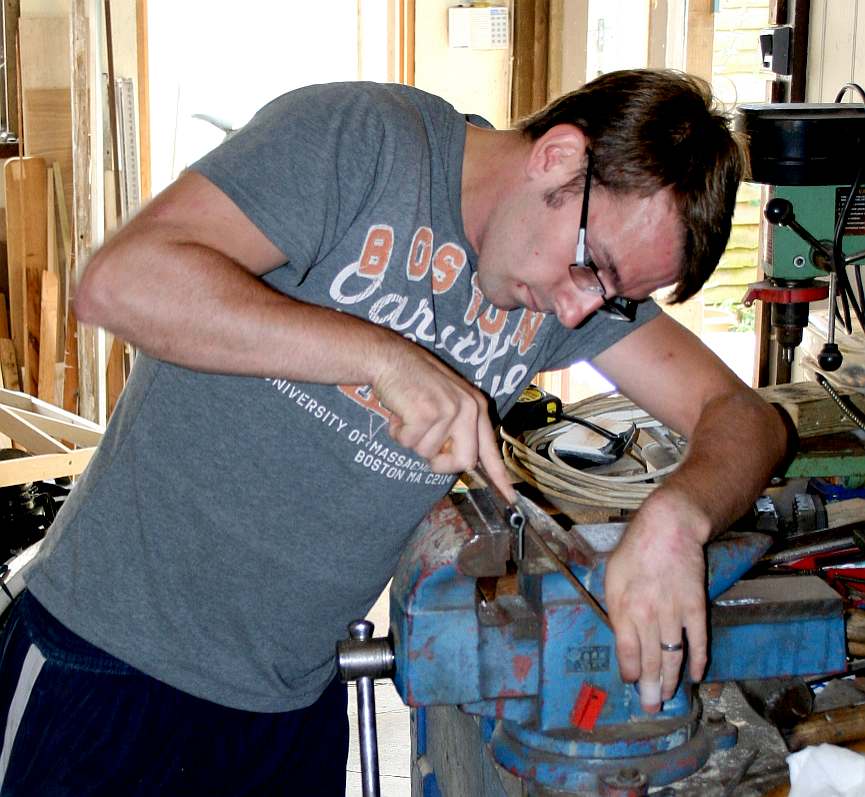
438,414
655,593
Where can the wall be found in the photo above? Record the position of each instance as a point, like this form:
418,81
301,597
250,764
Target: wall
473,81
836,51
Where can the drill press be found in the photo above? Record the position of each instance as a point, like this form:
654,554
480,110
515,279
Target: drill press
810,157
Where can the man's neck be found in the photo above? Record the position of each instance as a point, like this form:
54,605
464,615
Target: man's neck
492,167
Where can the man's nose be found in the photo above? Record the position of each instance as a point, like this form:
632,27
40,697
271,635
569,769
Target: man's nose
574,306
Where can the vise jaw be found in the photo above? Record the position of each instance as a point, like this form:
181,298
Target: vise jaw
512,641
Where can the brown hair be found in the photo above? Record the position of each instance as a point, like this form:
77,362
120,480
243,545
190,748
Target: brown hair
654,128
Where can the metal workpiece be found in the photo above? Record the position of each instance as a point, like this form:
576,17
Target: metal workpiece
361,658
488,549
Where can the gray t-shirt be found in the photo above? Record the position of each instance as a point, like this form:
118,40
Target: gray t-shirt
230,527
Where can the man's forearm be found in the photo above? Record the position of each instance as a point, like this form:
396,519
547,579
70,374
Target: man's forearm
737,443
194,307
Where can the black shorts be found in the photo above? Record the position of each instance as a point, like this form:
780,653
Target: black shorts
81,723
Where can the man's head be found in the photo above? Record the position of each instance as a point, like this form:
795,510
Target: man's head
650,130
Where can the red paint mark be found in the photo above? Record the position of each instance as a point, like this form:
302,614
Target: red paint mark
425,652
588,706
522,667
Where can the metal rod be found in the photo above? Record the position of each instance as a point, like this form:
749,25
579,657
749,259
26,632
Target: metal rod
361,630
368,737
566,572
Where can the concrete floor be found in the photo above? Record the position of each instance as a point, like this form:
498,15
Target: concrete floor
392,719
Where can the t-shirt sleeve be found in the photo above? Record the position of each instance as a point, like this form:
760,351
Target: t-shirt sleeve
596,335
302,167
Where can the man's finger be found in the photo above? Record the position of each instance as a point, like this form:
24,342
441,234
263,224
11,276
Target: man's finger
489,455
627,650
650,669
695,628
671,658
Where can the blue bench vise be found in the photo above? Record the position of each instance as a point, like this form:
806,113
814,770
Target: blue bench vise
482,618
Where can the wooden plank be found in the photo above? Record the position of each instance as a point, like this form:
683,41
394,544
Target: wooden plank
143,84
811,409
45,466
70,370
9,365
21,401
112,116
48,131
60,206
701,35
11,14
50,224
48,337
842,513
26,180
88,395
62,430
4,317
31,437
65,266
115,378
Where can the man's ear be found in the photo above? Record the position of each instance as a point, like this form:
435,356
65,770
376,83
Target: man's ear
559,153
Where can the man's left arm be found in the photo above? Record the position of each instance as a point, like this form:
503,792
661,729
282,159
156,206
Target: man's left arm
655,579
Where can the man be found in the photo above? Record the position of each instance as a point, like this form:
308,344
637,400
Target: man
324,307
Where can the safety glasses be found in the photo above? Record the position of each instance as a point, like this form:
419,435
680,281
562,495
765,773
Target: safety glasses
585,273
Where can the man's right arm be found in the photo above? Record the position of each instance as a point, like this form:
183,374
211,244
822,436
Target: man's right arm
181,281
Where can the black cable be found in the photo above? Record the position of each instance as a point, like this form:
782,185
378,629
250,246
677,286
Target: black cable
845,290
853,87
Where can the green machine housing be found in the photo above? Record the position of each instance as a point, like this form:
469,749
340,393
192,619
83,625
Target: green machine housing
809,154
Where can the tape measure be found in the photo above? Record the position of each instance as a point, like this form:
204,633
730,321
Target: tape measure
535,408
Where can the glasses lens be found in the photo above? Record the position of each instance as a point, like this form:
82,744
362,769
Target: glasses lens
586,279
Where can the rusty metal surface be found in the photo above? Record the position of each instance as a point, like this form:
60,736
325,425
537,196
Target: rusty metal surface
769,768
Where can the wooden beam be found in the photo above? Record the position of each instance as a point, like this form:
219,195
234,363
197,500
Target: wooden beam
657,50
48,337
27,435
82,202
21,401
61,430
143,84
531,43
45,466
701,37
4,317
26,226
11,13
9,365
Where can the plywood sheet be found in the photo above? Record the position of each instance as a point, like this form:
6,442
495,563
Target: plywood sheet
48,132
44,52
